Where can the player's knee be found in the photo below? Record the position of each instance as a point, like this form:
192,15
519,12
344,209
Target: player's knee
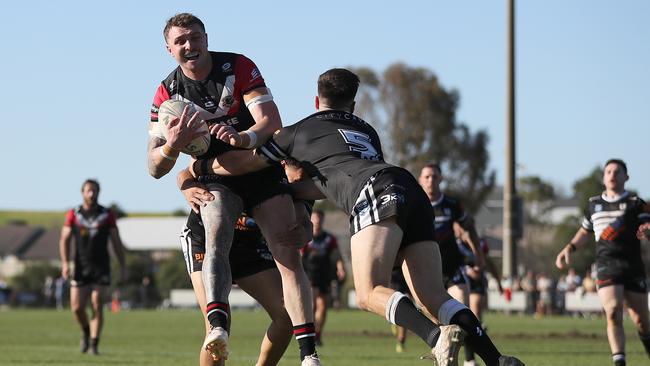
291,235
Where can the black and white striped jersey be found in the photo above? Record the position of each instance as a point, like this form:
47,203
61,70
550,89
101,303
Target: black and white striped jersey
339,150
615,223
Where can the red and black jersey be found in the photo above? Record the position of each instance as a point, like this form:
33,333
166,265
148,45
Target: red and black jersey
317,255
91,231
218,98
448,210
615,223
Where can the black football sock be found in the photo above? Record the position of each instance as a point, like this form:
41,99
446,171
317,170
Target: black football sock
401,311
619,359
217,313
306,336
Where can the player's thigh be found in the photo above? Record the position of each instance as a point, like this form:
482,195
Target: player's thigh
637,307
612,299
374,249
276,217
196,278
266,288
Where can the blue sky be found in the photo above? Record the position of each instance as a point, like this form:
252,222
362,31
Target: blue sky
79,78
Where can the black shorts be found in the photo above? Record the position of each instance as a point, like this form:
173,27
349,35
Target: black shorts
248,255
478,286
322,280
611,271
397,281
90,275
395,192
457,278
253,188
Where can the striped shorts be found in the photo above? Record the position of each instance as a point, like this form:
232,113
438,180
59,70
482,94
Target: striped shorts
394,192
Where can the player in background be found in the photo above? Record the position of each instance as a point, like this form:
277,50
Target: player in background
391,218
228,88
317,257
618,220
91,226
478,283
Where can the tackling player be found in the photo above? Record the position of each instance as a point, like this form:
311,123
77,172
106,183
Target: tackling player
390,217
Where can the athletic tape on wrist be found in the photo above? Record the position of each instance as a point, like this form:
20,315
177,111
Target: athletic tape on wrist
252,137
168,157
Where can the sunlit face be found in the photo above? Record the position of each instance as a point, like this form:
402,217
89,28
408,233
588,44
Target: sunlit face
189,47
430,179
614,177
316,222
90,193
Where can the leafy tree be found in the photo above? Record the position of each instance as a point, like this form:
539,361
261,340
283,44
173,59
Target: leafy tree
172,274
536,194
416,118
588,186
117,210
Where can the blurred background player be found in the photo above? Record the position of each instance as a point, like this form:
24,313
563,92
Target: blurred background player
91,225
618,220
319,257
478,284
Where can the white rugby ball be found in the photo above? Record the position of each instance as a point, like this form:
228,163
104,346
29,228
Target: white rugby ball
173,108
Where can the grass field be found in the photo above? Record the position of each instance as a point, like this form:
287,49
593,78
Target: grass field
44,337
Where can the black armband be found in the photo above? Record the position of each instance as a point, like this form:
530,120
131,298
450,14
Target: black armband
205,166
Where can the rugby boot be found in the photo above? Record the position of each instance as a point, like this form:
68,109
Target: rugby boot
216,343
311,360
445,352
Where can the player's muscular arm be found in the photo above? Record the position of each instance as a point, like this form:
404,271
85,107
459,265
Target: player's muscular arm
64,251
159,164
468,230
579,239
267,120
234,162
118,249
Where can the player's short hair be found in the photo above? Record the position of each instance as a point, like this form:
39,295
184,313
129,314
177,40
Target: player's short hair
338,87
90,181
435,166
620,163
183,20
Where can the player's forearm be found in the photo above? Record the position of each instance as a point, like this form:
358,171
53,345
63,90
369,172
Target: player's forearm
579,239
267,121
236,162
161,158
184,178
64,251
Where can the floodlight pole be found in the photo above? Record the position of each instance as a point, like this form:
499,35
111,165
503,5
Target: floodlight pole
509,190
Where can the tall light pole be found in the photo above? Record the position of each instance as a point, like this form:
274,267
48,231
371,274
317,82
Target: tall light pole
509,191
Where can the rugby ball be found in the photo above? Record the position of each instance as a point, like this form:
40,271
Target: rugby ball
173,108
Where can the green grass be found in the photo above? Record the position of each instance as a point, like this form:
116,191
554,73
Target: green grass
39,337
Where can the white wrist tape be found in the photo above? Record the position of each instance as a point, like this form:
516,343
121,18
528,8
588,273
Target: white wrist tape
260,99
252,136
162,153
